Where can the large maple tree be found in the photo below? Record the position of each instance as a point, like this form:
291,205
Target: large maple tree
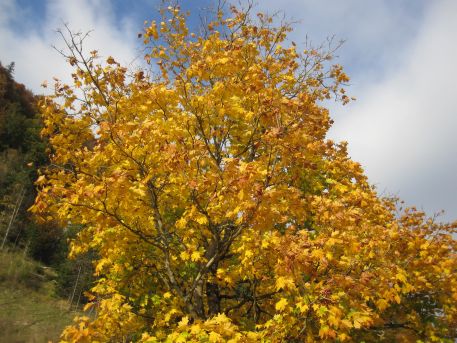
217,207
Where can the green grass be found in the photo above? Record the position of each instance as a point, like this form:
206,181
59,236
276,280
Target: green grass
29,310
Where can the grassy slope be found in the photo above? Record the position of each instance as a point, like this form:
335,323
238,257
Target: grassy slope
29,312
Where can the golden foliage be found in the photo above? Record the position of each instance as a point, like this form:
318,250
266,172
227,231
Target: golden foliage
219,210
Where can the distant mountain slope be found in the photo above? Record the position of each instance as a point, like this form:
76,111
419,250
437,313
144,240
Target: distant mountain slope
22,153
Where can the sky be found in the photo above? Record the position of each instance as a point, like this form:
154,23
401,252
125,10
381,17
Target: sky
400,54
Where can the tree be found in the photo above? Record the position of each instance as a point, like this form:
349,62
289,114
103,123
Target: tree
218,208
22,152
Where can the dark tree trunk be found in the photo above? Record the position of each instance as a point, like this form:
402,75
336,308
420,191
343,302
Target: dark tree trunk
214,299
212,289
198,300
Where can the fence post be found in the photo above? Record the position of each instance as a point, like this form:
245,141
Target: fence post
74,288
17,206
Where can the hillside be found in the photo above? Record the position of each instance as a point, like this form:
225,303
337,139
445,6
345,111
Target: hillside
33,295
29,309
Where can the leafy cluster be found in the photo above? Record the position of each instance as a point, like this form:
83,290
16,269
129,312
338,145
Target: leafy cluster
218,209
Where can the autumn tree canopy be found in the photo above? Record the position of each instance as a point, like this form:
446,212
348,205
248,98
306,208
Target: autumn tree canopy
218,209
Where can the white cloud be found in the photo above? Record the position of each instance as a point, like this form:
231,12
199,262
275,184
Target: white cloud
402,128
6,8
375,31
32,51
401,56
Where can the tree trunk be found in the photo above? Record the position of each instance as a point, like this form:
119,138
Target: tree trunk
198,300
214,298
212,289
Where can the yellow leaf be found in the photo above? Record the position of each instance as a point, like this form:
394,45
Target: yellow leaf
202,220
401,277
382,304
214,337
357,324
284,282
181,223
223,60
347,323
303,307
397,298
281,304
184,321
195,256
184,255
